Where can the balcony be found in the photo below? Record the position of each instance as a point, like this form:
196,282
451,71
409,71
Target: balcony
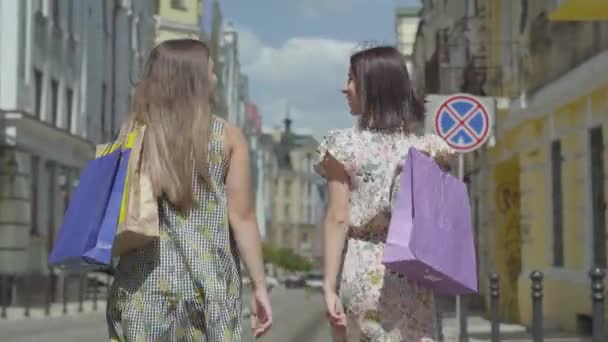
558,47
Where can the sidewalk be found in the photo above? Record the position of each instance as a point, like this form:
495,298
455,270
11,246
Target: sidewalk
18,313
480,331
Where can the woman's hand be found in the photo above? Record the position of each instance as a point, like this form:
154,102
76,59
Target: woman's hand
335,310
261,312
443,160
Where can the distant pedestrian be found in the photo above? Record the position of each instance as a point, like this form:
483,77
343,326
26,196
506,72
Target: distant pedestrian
360,164
187,285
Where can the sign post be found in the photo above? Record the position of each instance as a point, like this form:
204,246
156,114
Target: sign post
464,122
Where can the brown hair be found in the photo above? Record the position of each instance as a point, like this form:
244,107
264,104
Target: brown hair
388,102
173,102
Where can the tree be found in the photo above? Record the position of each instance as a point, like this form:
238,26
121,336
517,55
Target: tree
285,258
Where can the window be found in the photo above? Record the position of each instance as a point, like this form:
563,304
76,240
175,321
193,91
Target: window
596,36
104,16
34,174
55,12
51,199
69,97
178,4
37,93
70,18
54,101
598,202
104,90
556,187
286,213
287,189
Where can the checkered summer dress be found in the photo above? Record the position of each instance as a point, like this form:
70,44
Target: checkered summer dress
187,285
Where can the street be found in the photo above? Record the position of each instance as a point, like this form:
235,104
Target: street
297,318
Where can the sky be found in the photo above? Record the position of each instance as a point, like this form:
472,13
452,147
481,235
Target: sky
296,54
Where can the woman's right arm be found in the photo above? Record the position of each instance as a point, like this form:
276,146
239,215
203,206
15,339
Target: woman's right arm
336,220
241,208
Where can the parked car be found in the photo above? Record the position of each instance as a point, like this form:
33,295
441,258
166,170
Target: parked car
294,281
314,281
271,282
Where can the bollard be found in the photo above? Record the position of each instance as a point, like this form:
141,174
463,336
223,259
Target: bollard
494,300
439,319
4,295
462,307
95,288
64,294
109,280
80,292
597,297
537,306
47,297
28,295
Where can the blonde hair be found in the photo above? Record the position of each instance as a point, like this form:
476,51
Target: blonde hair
173,102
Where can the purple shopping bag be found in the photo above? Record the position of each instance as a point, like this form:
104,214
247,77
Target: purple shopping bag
430,237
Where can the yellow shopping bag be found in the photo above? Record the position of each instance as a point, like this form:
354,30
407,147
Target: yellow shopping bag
104,149
138,223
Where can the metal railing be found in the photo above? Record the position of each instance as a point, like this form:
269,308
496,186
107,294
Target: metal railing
536,329
41,293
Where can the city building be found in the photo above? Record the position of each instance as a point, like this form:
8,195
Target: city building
234,83
294,197
539,193
548,167
62,90
253,132
406,26
178,19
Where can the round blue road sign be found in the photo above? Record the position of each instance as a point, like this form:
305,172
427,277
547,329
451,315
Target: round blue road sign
463,122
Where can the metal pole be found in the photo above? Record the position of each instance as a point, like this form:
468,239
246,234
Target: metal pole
95,287
64,294
109,280
80,291
4,295
461,313
47,305
494,299
438,307
28,295
597,296
537,306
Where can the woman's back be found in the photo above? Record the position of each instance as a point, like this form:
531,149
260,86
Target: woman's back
371,160
378,303
187,283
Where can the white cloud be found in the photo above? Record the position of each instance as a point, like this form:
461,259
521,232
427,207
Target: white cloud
314,8
305,72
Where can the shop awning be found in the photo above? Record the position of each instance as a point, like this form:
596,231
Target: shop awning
580,10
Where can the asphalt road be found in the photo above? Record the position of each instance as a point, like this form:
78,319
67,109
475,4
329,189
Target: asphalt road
297,318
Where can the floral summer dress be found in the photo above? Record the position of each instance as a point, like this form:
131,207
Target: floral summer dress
186,286
380,306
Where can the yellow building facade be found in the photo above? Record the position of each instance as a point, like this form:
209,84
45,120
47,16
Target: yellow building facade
178,19
546,178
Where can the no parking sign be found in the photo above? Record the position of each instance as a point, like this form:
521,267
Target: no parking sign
463,121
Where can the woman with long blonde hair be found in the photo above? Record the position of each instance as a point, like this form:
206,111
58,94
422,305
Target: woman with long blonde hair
187,285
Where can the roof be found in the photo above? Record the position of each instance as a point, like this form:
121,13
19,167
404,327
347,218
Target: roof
289,142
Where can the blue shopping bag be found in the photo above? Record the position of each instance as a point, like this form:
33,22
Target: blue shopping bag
85,238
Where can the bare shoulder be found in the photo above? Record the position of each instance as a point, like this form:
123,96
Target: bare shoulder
234,137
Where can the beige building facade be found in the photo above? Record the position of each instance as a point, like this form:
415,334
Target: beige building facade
295,195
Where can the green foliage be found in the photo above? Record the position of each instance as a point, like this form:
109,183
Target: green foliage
285,258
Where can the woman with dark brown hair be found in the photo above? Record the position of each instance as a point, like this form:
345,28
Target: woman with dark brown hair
187,285
360,164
